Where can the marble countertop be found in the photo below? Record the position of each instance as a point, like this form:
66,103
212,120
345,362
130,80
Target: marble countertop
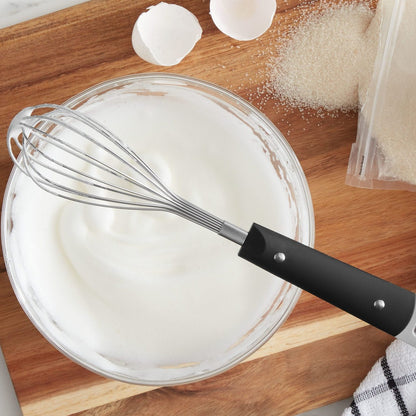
17,11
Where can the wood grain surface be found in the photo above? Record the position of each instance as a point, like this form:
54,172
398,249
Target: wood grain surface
320,354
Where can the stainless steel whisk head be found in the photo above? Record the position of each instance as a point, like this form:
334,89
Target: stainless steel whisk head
70,155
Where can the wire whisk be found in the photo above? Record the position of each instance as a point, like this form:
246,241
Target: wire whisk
72,156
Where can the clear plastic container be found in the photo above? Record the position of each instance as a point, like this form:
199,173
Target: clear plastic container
384,155
288,168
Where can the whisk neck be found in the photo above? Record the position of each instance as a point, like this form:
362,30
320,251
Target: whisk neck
233,233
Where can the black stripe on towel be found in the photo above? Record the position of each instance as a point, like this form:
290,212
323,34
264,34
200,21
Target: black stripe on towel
393,387
354,409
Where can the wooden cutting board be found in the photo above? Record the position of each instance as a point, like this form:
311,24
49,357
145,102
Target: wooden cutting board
320,354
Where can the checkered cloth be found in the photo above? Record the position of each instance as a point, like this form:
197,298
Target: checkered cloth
390,387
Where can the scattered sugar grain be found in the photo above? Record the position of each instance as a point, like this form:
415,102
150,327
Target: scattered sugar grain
320,63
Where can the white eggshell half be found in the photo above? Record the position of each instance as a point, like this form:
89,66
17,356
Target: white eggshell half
165,34
243,19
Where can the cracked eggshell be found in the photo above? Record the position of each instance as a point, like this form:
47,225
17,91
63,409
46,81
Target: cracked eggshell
243,19
165,34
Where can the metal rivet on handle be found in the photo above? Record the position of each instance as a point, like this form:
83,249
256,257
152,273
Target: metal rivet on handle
379,304
279,257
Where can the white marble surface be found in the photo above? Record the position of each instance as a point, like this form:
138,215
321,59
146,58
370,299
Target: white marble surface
17,11
8,401
334,409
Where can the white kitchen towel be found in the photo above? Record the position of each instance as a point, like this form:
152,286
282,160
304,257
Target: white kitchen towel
389,389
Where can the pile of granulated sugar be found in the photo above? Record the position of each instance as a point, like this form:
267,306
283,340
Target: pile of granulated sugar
320,63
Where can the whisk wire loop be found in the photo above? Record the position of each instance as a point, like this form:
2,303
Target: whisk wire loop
87,157
70,155
54,141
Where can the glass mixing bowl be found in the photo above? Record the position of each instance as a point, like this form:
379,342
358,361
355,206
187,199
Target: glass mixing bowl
287,168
